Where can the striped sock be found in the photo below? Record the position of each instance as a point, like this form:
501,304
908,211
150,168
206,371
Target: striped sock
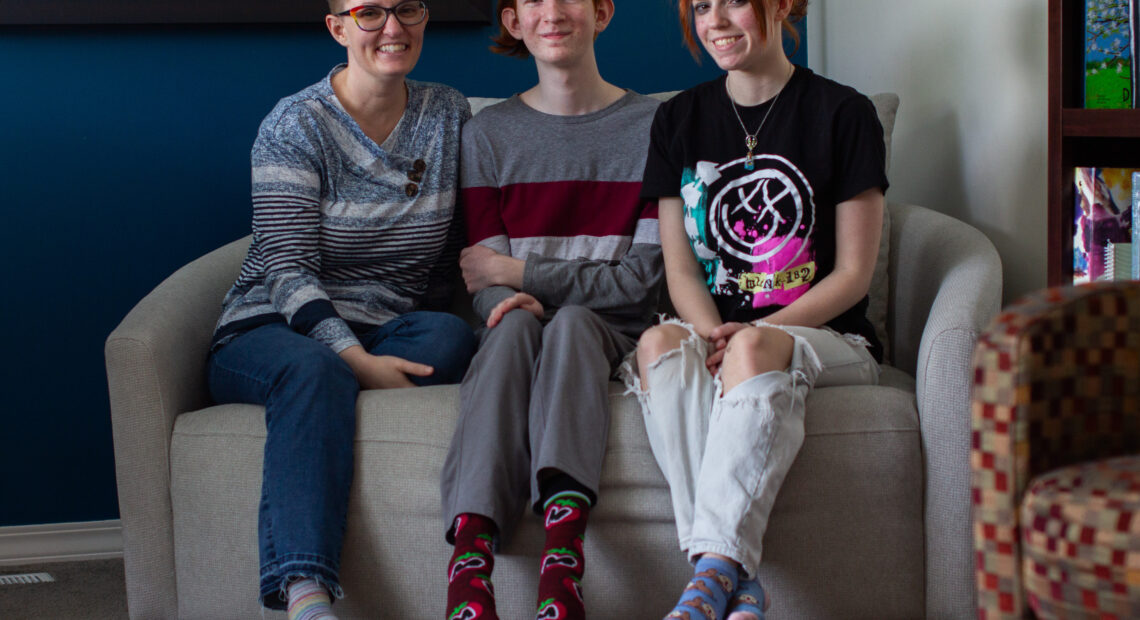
308,600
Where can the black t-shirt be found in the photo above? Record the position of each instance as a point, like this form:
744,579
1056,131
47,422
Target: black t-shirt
764,236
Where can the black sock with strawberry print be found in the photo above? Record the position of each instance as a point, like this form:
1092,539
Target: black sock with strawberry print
469,592
563,563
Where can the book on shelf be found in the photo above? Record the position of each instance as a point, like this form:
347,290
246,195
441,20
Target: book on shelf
1117,261
1103,214
1108,53
1135,226
1133,42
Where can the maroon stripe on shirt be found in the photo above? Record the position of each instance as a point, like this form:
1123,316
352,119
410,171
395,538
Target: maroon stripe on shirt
649,210
557,209
481,213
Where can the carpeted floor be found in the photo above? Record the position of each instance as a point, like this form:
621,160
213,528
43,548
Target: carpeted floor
90,590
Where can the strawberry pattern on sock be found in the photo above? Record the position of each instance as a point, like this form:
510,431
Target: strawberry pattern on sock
563,564
470,595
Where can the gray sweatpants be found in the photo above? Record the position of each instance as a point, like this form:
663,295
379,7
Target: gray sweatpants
535,398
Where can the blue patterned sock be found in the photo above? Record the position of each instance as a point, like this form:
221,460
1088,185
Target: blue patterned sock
706,596
748,598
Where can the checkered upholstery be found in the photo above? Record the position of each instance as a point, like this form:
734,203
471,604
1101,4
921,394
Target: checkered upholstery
1080,540
1056,383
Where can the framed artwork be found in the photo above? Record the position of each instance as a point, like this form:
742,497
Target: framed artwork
81,12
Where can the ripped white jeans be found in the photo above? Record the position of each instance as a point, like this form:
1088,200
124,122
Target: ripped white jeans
725,457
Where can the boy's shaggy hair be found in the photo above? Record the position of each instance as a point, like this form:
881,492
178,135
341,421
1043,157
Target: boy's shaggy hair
504,43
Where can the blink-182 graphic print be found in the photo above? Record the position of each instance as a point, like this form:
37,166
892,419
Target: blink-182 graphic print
751,230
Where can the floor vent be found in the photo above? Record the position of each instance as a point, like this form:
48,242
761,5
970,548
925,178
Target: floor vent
26,578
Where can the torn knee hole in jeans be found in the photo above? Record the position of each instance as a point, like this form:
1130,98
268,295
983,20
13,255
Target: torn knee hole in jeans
688,345
805,365
630,370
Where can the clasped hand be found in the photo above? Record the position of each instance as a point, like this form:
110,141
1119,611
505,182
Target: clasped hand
719,337
483,267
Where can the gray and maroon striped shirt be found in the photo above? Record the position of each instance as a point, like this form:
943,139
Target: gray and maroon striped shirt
563,193
345,230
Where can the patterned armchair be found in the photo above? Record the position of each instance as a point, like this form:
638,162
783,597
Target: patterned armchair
1056,456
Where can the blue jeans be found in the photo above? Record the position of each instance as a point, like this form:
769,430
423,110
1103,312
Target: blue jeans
309,394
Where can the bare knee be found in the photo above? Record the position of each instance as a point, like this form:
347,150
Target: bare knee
755,351
655,342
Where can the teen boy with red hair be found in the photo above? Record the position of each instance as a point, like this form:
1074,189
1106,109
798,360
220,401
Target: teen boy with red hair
565,267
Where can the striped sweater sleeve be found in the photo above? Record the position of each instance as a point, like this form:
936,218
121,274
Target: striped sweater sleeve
627,288
286,227
444,276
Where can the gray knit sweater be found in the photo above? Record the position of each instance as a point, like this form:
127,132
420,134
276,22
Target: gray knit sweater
346,231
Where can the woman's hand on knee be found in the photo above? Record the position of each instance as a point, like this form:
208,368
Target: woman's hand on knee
518,300
378,372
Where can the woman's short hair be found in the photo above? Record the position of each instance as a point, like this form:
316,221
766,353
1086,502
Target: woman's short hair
506,44
760,7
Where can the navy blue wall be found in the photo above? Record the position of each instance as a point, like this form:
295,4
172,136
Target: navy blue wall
124,154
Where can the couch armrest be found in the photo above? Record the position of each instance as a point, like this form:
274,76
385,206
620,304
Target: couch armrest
156,370
946,284
1055,384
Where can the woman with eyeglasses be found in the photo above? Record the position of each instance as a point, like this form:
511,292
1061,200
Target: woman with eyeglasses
353,195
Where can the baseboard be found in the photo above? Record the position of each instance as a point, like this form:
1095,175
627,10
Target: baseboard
61,542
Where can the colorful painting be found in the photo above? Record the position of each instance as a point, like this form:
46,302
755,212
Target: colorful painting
1108,54
1103,215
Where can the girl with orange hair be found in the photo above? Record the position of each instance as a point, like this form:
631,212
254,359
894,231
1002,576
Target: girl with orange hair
770,183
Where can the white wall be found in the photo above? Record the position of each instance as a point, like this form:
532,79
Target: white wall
970,139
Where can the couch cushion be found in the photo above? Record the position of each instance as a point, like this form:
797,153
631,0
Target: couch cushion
845,538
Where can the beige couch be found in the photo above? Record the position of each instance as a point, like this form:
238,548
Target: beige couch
872,522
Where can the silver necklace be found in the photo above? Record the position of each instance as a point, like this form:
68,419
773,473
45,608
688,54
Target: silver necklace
750,138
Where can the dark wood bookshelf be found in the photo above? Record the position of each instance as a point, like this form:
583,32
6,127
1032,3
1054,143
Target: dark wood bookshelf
1077,137
1078,122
